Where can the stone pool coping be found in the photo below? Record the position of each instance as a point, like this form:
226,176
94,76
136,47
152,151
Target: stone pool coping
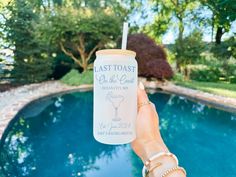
12,101
220,102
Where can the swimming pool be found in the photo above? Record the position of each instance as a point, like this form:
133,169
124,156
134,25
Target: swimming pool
52,137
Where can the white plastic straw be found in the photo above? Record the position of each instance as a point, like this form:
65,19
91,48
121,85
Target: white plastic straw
124,36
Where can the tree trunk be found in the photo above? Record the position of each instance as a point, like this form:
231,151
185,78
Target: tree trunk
178,66
180,47
181,30
219,34
83,61
185,73
212,27
70,54
85,67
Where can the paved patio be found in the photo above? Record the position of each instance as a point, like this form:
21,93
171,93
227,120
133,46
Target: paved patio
15,99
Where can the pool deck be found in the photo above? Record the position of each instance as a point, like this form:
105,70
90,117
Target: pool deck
12,101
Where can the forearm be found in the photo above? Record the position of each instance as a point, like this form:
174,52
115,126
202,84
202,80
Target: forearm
149,145
151,148
167,162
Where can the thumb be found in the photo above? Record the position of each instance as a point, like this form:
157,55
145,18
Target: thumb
142,95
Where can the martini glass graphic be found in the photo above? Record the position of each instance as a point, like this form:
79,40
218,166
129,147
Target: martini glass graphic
115,100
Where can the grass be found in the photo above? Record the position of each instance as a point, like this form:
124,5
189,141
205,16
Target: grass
75,78
221,88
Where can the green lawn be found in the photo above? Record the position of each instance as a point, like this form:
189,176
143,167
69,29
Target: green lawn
223,89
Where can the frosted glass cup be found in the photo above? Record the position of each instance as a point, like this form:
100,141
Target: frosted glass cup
115,96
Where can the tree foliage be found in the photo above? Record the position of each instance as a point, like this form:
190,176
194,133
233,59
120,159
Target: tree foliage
224,13
39,31
159,27
172,12
191,51
30,57
86,22
192,48
78,33
169,12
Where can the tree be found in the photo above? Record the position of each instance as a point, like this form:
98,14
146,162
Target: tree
159,27
174,10
78,33
223,14
192,49
32,55
30,58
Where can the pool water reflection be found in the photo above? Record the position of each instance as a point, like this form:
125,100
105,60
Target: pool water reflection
53,137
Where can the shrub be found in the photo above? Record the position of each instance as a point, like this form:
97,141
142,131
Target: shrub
225,50
151,58
75,78
178,77
229,67
159,69
232,79
205,74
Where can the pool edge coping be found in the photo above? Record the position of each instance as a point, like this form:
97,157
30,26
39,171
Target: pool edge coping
212,100
9,112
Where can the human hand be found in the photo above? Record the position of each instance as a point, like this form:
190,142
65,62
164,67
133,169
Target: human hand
148,138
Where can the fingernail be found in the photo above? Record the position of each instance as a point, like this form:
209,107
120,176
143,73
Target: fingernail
141,86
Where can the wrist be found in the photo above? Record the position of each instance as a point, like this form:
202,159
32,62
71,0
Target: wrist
152,147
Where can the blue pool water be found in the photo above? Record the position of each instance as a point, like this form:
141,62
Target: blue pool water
52,137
